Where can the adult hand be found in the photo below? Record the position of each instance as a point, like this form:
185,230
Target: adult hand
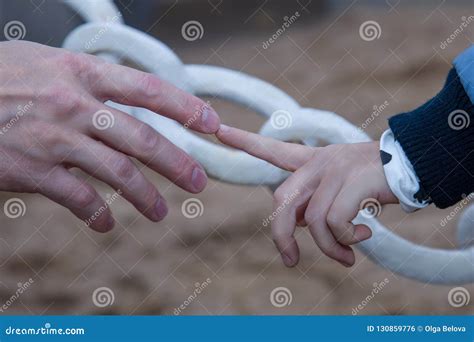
324,192
51,102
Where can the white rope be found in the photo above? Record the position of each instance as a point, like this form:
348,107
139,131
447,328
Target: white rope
95,11
310,125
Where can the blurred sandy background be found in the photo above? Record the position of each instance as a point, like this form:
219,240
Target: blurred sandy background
322,62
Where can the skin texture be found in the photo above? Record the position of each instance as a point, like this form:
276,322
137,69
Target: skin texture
48,98
324,192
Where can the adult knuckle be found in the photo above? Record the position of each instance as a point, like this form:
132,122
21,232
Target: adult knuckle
180,164
150,86
54,138
148,140
64,98
189,102
199,105
124,168
67,58
76,63
50,133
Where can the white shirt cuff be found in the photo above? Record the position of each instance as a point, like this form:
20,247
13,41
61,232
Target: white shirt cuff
401,176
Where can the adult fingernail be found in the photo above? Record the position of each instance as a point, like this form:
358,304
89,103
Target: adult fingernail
160,209
210,120
198,179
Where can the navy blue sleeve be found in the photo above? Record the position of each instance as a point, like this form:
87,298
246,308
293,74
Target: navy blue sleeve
438,139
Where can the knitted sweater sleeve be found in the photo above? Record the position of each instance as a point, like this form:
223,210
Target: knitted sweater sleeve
438,139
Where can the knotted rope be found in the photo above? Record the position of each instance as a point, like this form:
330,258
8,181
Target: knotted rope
286,121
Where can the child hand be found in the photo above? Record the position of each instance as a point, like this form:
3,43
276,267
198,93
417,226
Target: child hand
330,183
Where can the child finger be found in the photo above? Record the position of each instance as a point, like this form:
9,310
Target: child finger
340,216
316,214
281,154
300,220
293,193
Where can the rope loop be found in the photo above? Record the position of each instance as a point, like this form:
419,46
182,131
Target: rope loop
286,120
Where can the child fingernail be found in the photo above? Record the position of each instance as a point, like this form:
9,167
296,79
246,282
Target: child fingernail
362,233
224,128
210,119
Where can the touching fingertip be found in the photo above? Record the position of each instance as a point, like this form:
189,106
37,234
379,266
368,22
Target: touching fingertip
210,120
224,128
